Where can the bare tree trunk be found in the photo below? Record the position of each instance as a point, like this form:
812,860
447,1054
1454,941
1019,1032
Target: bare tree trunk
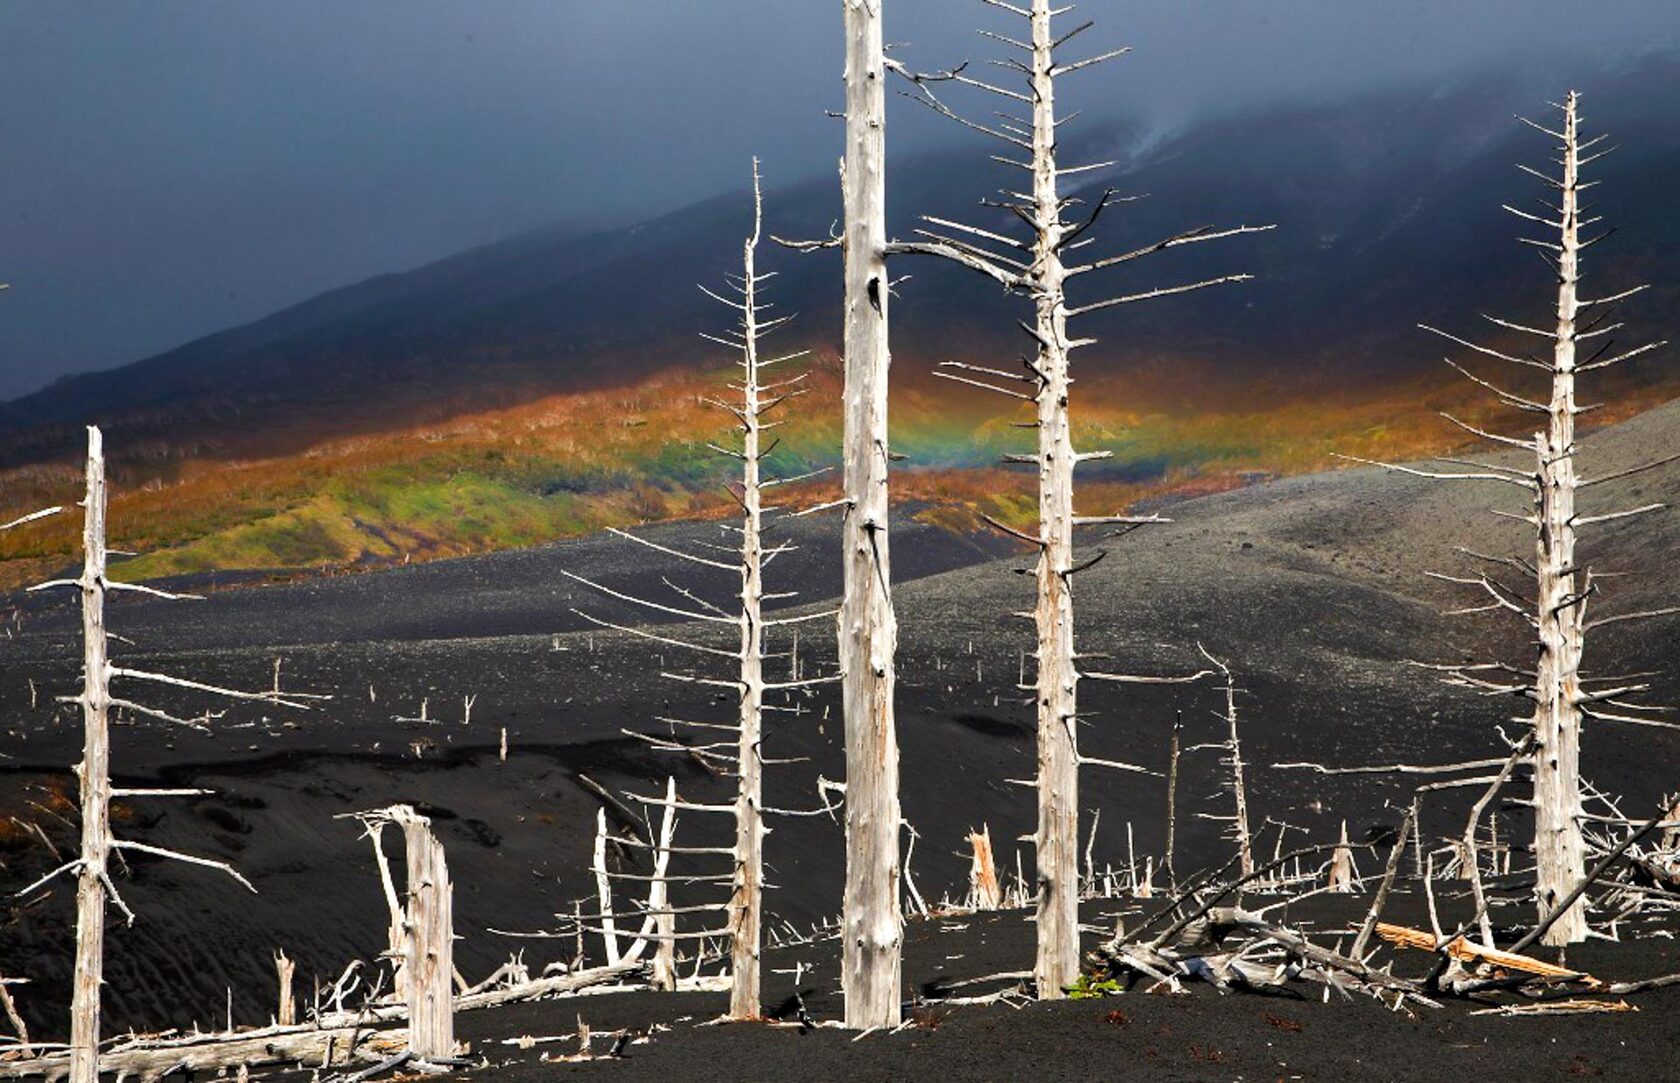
1560,853
984,892
431,941
10,1009
1057,840
1341,865
1172,801
95,773
286,1015
873,923
746,918
603,889
1239,785
659,897
1038,269
396,936
1557,611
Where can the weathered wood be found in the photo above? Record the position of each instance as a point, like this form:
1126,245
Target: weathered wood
429,924
747,892
873,926
1239,785
603,889
984,891
7,1005
1467,951
396,937
1407,824
1057,963
95,774
152,1059
1559,849
1172,801
1292,940
1037,269
1341,865
659,901
286,1013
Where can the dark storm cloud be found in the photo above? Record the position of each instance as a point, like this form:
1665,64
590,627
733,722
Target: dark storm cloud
171,168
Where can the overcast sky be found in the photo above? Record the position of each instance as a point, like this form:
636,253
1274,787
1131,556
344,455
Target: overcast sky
171,168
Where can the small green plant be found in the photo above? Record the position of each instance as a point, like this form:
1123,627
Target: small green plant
1090,988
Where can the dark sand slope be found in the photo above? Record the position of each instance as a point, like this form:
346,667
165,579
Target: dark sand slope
1202,1036
1314,589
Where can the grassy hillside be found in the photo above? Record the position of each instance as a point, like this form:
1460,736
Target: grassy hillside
574,463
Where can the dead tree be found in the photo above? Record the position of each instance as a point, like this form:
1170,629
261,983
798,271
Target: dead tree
984,891
873,935
1555,611
744,755
430,935
1038,269
1232,747
93,885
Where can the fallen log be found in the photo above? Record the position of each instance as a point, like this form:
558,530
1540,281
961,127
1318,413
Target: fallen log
1234,918
1466,951
1561,1007
152,1059
332,1038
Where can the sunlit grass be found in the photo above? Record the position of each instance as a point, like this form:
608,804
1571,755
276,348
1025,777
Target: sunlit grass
570,464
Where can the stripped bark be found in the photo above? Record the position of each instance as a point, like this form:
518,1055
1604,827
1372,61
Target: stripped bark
94,887
744,754
1559,849
659,898
984,891
1172,801
7,1005
95,775
747,895
1556,614
872,941
430,928
1036,268
1234,760
603,889
286,1011
153,1059
1341,866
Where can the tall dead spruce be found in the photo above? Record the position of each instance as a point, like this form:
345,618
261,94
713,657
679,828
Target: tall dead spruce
742,756
1038,268
94,886
1555,611
872,937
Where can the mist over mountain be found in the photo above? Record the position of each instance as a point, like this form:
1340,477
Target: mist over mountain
1387,209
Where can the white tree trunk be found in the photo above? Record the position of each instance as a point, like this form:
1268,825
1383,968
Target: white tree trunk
1560,853
430,939
396,938
95,773
1239,785
603,889
1057,841
659,897
746,917
872,921
1341,866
